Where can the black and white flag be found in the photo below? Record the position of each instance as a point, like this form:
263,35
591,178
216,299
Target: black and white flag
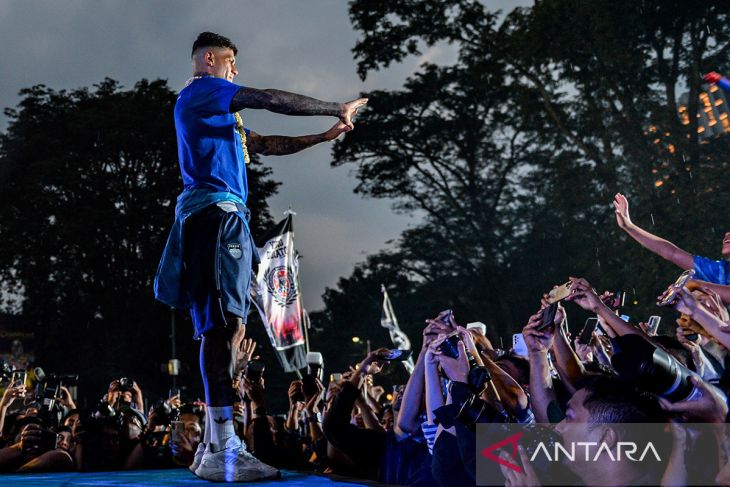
277,296
389,321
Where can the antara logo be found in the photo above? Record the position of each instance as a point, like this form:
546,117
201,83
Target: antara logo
623,450
512,440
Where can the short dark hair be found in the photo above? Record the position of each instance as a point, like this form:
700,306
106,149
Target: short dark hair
613,400
209,39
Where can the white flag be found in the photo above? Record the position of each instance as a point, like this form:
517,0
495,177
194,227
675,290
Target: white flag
397,336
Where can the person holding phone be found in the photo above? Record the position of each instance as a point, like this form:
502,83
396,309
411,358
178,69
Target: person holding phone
706,269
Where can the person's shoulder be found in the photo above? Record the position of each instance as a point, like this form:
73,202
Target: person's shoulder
211,82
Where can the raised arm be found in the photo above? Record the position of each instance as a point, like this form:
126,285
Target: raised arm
287,103
722,291
658,245
541,383
281,145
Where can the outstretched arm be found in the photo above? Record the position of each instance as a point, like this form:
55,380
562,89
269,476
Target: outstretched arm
281,145
658,245
287,103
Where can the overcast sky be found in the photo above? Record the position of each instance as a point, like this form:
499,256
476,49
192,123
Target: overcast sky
295,45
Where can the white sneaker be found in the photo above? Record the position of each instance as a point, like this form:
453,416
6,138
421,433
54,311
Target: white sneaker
197,457
233,464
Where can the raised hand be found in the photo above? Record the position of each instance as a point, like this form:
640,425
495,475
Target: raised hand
684,301
621,208
349,110
295,389
584,295
538,341
11,393
244,354
311,406
456,369
709,407
336,130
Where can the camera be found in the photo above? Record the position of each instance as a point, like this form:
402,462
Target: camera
126,384
652,369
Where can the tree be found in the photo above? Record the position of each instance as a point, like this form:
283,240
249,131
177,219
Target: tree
91,177
513,152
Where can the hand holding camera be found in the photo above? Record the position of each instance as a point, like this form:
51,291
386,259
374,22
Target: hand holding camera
312,402
254,391
455,367
10,394
34,440
680,299
709,407
296,395
538,338
584,295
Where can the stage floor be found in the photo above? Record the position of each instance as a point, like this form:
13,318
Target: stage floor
155,478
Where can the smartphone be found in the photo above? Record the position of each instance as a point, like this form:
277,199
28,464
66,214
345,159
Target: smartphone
559,293
616,301
674,288
626,318
548,317
19,378
692,337
450,345
519,347
255,370
335,377
585,335
397,355
177,429
652,326
49,440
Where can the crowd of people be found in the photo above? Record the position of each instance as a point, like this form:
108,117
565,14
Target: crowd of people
426,431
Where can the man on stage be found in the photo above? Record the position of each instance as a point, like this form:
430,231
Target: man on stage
206,264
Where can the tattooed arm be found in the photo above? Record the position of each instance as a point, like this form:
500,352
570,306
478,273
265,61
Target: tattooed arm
280,145
293,104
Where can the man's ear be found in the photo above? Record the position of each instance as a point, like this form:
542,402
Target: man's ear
209,57
609,436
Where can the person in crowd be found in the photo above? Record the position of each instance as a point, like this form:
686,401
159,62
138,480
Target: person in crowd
706,269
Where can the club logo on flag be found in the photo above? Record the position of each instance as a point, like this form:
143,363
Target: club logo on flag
280,284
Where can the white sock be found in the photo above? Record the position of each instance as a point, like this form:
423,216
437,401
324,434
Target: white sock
221,426
206,431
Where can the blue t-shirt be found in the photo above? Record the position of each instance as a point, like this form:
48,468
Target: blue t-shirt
716,271
208,144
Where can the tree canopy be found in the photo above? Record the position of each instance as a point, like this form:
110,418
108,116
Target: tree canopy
90,180
513,152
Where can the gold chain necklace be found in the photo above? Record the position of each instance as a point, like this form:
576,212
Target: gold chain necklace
242,133
239,122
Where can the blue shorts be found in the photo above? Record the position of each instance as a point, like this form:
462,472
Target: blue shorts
218,257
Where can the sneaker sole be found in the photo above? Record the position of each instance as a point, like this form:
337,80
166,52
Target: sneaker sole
216,475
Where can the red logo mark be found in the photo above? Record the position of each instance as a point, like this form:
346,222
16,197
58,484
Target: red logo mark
487,452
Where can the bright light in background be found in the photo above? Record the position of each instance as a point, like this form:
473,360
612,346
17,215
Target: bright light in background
355,339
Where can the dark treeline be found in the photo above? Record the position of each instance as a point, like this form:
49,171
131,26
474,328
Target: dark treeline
90,179
512,153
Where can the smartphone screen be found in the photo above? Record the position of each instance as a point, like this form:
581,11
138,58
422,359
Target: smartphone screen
653,324
587,332
559,293
397,355
519,347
